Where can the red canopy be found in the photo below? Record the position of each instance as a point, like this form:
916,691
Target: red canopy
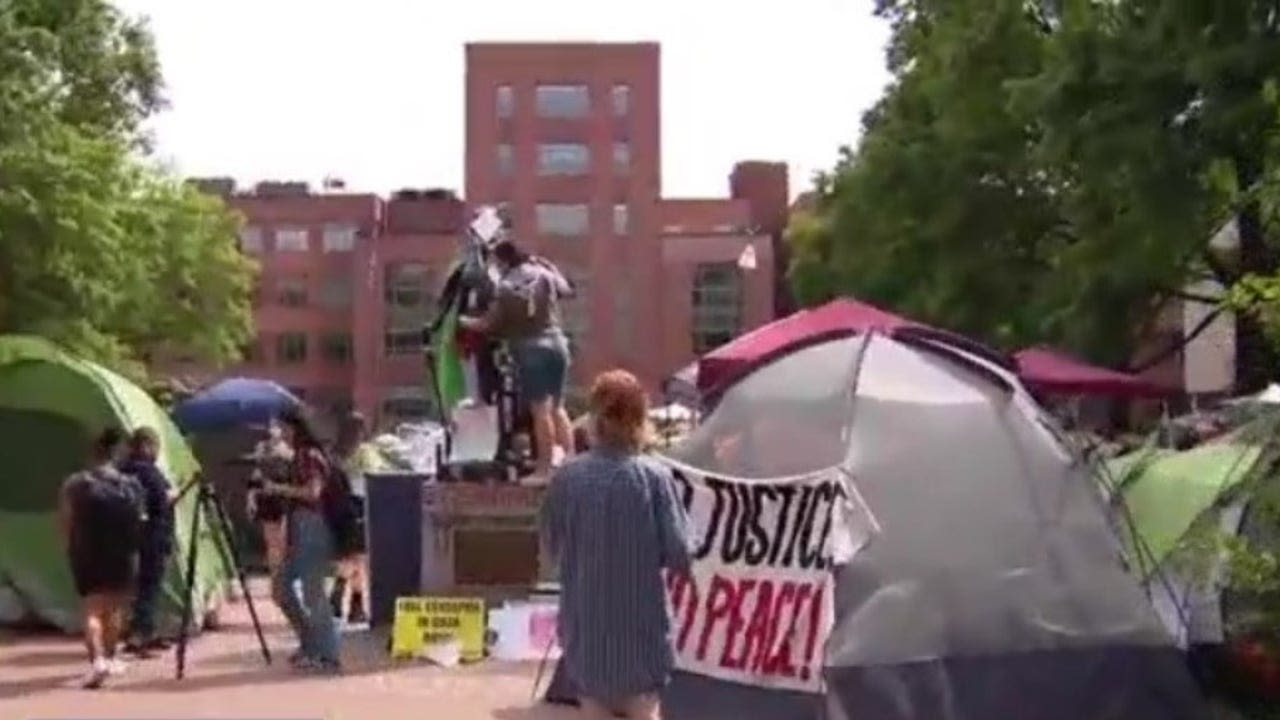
731,360
1054,372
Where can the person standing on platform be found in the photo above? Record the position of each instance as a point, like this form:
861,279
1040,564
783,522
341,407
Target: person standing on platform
525,313
157,538
613,524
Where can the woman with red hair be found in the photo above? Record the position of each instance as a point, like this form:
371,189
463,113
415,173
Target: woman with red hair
613,524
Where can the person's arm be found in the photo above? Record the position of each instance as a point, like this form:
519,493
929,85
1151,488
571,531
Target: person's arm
560,285
675,543
479,323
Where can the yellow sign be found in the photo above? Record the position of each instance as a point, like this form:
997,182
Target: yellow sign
421,622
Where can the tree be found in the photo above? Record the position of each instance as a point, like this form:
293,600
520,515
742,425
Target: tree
1052,173
941,212
1159,117
100,249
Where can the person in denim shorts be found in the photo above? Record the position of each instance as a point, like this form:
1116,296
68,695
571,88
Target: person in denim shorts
525,314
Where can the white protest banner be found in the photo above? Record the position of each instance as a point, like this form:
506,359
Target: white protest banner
757,606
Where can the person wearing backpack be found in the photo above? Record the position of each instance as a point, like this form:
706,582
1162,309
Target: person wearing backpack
101,516
309,548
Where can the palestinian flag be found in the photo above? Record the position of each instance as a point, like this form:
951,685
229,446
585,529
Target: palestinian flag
449,373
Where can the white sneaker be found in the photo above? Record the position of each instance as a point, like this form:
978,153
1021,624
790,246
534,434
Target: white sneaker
96,676
116,666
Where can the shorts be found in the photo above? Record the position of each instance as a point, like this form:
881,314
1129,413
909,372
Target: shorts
542,368
104,573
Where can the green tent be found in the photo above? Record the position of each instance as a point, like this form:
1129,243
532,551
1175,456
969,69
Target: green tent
1166,491
1171,504
51,406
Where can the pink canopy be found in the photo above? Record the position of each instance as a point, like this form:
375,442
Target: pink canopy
731,360
1053,372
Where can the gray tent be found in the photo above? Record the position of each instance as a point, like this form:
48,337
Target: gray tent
995,588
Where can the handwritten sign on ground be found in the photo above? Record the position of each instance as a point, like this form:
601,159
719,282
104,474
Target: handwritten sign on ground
756,606
421,622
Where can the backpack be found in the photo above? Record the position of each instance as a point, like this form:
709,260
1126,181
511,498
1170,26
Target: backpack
341,511
109,510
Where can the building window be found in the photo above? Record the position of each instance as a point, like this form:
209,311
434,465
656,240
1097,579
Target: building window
506,160
339,237
408,402
504,101
292,240
621,158
291,348
291,291
563,101
717,305
621,220
409,306
402,341
336,348
562,220
336,294
620,96
408,284
563,159
251,240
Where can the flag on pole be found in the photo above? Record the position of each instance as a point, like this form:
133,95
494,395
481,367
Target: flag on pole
449,374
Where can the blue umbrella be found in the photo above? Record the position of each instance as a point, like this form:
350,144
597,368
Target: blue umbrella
232,402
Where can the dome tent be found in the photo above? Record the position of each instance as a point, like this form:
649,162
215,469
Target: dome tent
995,586
52,404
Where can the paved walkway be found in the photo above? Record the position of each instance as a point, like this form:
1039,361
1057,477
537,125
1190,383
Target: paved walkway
226,678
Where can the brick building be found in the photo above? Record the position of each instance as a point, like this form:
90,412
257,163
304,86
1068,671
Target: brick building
567,137
346,283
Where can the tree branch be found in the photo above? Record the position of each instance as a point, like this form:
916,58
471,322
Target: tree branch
1221,272
1190,296
1178,345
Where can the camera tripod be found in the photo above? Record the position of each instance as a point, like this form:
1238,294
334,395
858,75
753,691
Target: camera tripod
207,501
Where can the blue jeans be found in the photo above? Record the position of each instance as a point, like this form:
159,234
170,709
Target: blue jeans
307,556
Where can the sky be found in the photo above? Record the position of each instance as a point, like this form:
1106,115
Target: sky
371,91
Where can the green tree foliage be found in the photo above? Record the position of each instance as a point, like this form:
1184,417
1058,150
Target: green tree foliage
1051,173
100,248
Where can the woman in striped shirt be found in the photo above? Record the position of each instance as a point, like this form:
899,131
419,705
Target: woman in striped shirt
613,523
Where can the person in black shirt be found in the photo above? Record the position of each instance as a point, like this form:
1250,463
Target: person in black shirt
99,515
157,538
